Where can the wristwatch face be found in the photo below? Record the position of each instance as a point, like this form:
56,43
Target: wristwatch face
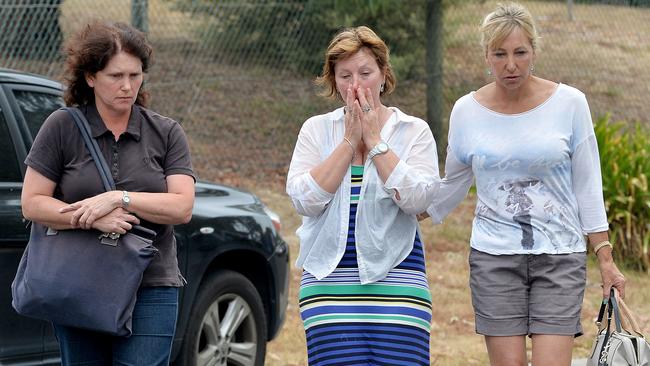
382,147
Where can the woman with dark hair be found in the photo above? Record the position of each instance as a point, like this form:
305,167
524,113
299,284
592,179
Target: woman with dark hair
358,176
150,163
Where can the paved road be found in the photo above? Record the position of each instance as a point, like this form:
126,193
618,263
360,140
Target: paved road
580,362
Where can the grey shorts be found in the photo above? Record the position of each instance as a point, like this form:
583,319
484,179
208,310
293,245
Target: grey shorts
526,294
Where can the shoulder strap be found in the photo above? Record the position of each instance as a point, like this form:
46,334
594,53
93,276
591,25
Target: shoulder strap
93,148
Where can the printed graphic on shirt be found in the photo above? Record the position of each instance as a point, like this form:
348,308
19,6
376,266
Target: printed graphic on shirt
557,229
519,204
537,218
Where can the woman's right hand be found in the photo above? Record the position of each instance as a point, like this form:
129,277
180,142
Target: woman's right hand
117,221
352,118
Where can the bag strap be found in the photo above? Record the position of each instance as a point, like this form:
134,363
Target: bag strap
604,348
611,305
628,320
93,148
612,309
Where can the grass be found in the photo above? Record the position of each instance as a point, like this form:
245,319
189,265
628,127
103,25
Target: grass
453,340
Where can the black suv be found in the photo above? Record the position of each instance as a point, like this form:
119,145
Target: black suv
231,253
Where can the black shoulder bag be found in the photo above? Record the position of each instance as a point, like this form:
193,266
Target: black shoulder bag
83,278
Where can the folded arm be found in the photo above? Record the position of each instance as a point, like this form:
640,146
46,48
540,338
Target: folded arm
39,205
172,207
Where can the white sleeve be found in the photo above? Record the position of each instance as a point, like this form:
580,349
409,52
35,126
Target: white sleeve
416,177
588,186
585,170
307,196
453,189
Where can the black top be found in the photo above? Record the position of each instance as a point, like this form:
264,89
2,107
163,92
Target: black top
152,148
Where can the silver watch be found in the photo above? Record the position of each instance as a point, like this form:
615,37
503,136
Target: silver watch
380,148
125,199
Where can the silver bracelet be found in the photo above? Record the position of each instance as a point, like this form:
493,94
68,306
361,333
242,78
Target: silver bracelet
354,151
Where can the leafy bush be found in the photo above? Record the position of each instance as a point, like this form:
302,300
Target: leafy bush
296,33
625,161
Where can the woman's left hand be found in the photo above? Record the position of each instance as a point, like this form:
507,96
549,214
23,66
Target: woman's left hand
611,277
370,124
87,211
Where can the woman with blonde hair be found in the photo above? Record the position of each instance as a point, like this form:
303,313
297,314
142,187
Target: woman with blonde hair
529,143
358,176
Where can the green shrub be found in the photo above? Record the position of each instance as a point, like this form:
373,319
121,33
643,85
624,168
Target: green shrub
625,160
296,33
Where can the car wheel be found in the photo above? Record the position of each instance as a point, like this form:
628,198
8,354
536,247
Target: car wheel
227,325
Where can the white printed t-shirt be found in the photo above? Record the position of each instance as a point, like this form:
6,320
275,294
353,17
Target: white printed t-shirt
537,175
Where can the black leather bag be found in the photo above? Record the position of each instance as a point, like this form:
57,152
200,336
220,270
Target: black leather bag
83,278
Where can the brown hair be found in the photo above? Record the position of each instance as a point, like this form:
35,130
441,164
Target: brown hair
348,42
90,50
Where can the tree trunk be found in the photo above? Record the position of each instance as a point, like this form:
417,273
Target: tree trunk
434,37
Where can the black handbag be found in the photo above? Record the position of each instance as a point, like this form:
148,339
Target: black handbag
83,278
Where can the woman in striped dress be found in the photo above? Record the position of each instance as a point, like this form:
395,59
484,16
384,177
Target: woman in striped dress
358,176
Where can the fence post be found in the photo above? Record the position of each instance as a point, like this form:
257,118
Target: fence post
433,66
139,15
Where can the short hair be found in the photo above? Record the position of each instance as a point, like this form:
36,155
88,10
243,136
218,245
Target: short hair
90,50
498,25
345,44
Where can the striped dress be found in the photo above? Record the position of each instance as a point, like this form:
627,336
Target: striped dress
383,323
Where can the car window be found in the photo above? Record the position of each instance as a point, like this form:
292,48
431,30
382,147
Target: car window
9,168
36,106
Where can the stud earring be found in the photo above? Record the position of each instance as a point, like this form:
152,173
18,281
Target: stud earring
488,72
532,68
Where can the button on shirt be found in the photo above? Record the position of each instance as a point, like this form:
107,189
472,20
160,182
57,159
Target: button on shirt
385,226
152,147
537,175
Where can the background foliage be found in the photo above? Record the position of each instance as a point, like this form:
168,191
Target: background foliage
625,161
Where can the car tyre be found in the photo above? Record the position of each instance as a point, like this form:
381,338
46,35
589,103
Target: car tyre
227,325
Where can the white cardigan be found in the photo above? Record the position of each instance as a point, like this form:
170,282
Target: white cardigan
385,226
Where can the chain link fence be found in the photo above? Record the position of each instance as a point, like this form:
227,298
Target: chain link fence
238,74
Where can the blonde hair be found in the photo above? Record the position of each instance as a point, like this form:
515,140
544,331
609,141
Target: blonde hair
345,44
498,25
